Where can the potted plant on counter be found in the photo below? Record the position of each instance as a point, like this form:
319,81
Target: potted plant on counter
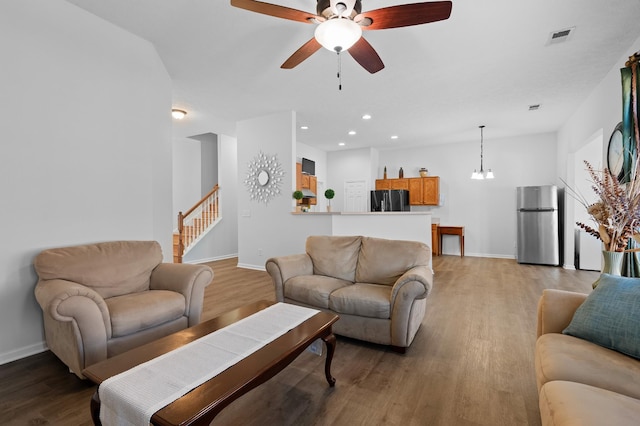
329,194
298,196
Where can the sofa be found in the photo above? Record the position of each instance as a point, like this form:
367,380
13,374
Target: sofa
378,287
583,380
100,300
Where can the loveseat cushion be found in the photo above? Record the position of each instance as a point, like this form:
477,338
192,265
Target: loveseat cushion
568,404
160,306
334,256
383,261
562,357
111,268
610,316
365,300
313,290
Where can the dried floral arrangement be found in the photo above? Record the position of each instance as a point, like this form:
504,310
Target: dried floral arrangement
617,212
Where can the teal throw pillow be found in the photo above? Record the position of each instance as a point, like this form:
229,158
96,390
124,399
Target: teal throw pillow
610,316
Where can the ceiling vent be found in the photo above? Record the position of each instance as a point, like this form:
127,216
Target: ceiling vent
560,36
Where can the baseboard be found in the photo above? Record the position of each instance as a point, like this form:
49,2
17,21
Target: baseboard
211,259
254,267
488,255
23,352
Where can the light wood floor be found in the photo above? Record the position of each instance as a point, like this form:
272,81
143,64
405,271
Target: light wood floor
471,362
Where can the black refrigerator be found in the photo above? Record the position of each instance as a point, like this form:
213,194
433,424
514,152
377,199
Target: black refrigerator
390,200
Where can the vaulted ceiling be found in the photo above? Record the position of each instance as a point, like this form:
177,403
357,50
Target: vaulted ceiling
486,64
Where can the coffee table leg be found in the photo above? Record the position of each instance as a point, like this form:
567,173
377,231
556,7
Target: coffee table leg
95,408
330,341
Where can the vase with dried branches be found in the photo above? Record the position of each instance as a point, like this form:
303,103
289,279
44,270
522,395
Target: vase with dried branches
616,214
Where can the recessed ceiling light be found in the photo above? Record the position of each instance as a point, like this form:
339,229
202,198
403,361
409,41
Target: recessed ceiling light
352,132
304,127
178,114
366,117
341,143
394,137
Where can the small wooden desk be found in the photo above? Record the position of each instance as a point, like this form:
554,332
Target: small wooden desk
451,230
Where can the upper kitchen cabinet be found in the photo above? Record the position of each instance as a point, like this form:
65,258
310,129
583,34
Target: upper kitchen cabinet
392,184
424,191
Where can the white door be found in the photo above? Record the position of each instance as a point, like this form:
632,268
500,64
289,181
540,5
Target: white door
355,196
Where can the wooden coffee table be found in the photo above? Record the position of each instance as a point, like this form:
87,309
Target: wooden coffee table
203,403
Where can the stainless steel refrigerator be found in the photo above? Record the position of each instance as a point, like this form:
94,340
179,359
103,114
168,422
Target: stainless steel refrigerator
538,230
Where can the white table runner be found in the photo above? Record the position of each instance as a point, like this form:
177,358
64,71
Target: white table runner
131,398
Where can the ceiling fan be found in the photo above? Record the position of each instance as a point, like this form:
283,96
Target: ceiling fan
340,25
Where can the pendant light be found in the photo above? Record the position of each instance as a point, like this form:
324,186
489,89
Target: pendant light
482,174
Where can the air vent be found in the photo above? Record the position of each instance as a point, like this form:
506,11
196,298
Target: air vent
560,35
534,107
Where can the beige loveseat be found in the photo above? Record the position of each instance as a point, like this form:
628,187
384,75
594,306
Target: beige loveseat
99,300
378,287
579,382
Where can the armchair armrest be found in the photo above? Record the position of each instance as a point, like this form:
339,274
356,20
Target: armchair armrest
416,283
67,301
556,309
84,309
189,280
284,267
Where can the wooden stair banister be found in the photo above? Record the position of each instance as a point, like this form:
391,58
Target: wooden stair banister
195,222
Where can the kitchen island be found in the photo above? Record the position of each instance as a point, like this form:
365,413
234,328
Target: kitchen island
413,226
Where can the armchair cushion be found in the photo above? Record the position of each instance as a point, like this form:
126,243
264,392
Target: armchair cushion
334,256
160,306
313,290
365,300
610,315
111,268
383,261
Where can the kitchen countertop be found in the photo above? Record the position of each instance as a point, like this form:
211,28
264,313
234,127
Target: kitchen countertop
362,213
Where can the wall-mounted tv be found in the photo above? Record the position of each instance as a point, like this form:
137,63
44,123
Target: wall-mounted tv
308,167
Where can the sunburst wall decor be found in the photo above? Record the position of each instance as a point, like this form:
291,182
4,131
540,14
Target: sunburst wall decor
264,177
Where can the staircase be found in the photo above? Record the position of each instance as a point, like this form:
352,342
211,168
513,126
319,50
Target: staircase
195,223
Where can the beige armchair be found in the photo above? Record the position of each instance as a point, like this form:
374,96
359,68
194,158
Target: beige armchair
99,300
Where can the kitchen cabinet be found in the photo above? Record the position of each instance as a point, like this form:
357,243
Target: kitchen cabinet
307,182
423,191
392,184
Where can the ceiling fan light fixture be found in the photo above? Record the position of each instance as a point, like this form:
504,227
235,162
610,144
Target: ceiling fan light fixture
338,34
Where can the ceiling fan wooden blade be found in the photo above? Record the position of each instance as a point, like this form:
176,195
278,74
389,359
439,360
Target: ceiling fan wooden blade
406,15
275,10
307,49
365,55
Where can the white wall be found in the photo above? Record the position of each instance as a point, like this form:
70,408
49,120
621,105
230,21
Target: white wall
267,230
485,208
186,175
349,165
600,112
87,147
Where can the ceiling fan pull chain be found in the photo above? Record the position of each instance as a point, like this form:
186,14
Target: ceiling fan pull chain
339,70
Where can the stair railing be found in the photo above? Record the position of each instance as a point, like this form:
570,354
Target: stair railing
195,222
